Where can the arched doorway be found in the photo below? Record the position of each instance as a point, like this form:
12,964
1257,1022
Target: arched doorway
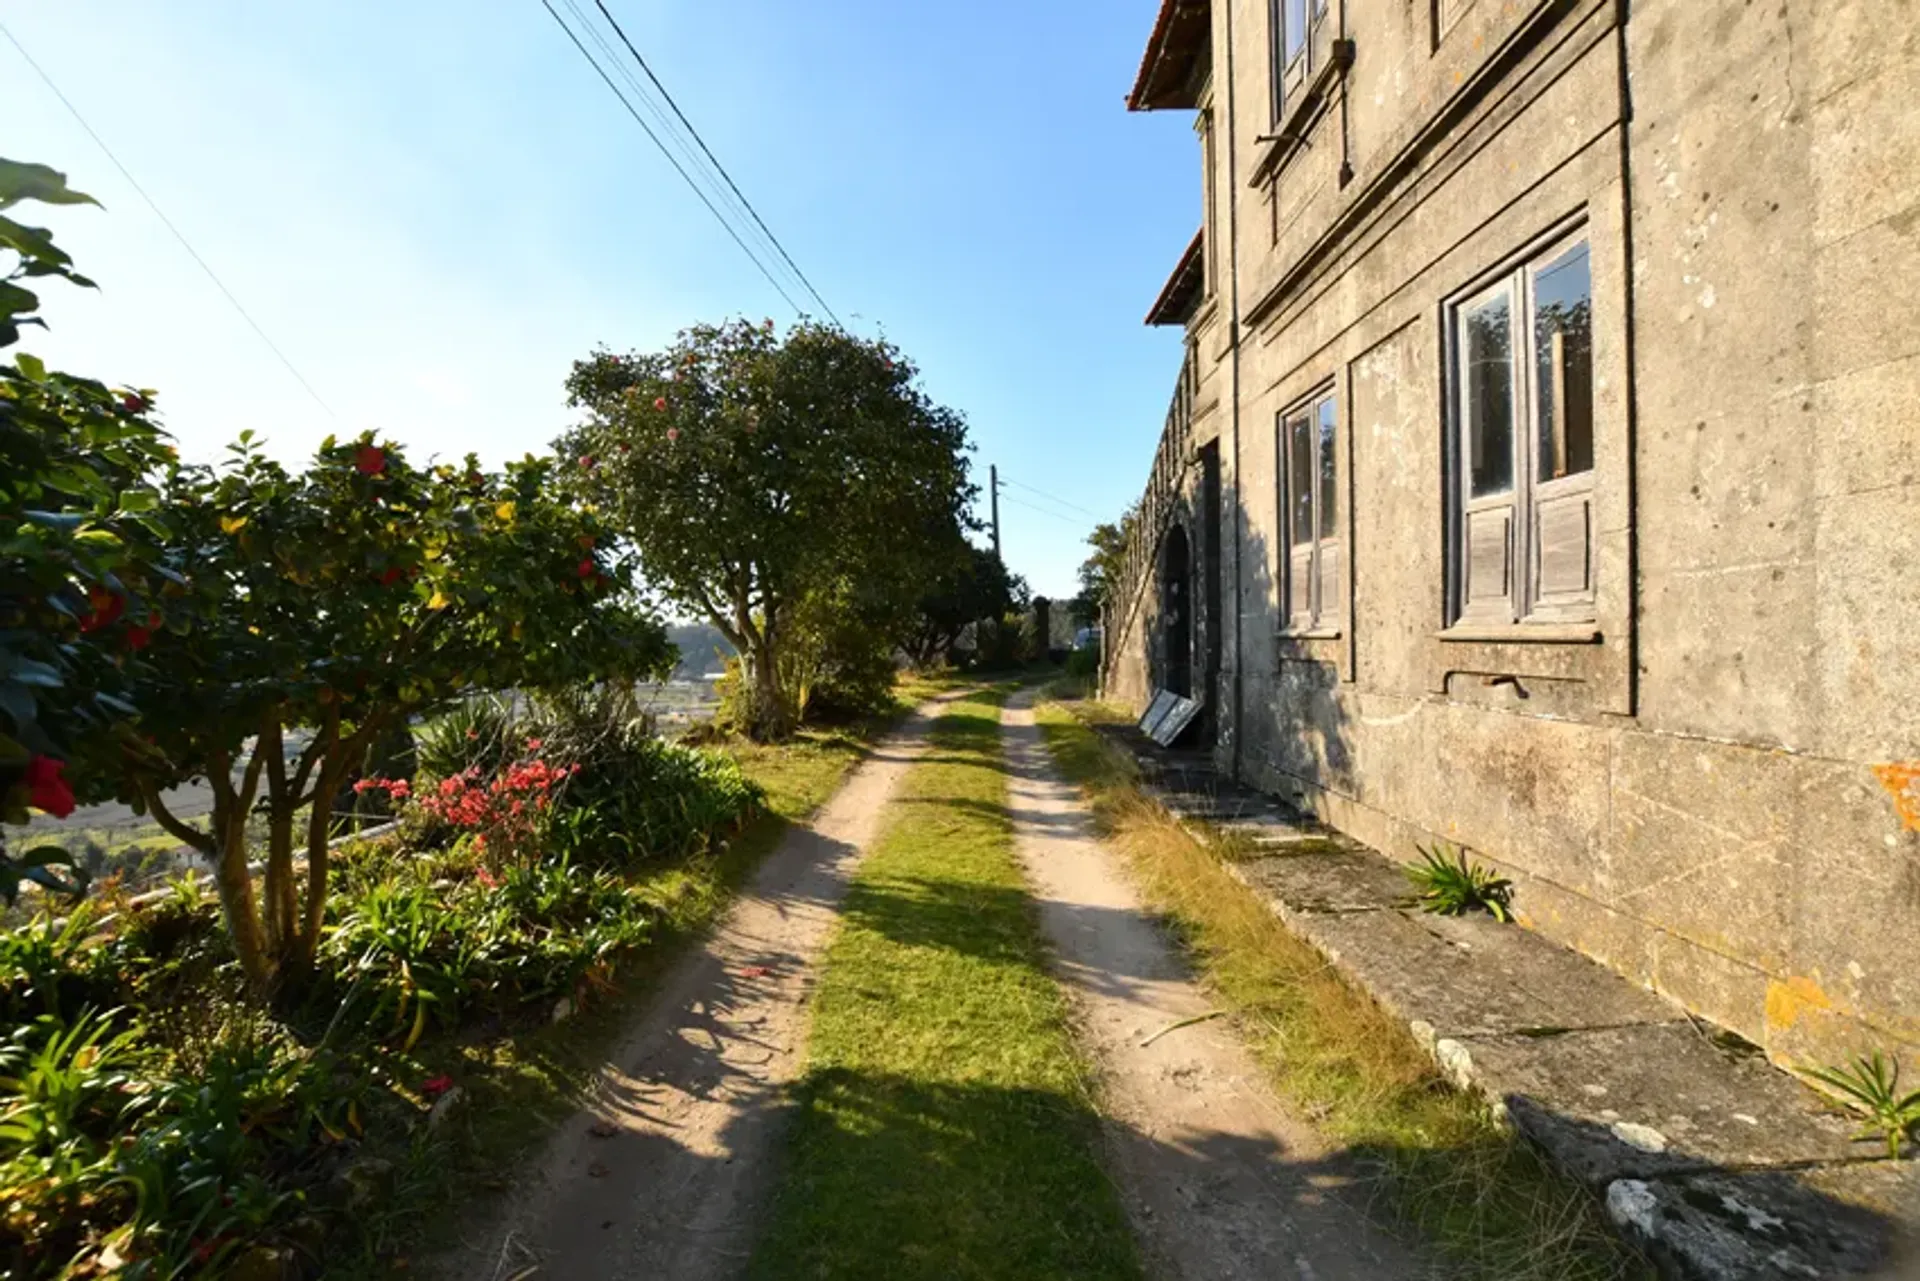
1176,610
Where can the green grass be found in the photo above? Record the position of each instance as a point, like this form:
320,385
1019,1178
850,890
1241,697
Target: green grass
1445,1167
944,1126
521,1088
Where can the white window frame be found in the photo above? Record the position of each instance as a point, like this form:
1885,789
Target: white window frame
1311,596
1527,599
1292,69
1209,238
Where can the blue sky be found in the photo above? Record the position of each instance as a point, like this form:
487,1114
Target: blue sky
433,208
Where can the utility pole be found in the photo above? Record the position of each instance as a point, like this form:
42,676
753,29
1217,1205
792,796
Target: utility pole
993,483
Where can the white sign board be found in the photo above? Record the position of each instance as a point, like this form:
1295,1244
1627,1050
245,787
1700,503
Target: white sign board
1167,717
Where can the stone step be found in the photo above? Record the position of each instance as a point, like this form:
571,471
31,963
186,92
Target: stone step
1720,1165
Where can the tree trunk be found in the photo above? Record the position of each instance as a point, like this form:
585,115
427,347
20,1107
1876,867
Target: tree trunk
278,891
235,884
319,828
768,718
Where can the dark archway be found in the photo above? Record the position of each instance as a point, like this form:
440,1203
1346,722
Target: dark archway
1176,610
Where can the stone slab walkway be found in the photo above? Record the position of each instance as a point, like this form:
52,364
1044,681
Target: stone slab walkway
1724,1167
1221,1181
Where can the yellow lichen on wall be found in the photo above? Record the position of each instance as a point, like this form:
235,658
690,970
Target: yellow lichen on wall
1789,999
1902,781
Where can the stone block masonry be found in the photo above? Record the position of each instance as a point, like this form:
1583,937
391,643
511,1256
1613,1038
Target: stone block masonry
1551,394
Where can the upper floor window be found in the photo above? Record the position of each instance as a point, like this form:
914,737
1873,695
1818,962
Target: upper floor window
1294,26
1522,411
1309,505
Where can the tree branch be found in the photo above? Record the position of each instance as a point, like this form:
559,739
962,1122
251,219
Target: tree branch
192,837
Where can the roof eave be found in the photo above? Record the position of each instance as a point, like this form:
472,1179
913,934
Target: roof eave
1180,297
1181,34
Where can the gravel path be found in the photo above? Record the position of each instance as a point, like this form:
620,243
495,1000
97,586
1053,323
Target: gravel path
666,1172
1220,1180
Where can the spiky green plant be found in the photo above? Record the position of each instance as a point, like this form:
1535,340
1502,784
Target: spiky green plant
1871,1087
1446,884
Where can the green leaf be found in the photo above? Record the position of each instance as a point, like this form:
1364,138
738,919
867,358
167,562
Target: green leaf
20,181
15,301
31,366
139,500
32,243
30,671
17,702
47,856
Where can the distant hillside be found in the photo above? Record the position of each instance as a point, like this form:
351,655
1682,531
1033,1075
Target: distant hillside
702,649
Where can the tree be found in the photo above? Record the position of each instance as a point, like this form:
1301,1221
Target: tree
81,589
978,588
753,474
1100,572
343,601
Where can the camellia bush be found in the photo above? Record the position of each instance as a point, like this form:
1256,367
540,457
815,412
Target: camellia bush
760,477
83,589
341,601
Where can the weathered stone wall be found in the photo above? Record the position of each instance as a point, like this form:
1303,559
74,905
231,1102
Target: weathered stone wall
1710,794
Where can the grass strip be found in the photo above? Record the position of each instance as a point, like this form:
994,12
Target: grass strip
944,1127
1447,1168
522,1087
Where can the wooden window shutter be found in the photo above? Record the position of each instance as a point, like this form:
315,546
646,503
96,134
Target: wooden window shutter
1331,579
1486,587
1300,586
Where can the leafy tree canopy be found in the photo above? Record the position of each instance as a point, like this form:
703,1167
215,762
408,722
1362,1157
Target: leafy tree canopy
344,600
1100,572
81,586
976,588
752,471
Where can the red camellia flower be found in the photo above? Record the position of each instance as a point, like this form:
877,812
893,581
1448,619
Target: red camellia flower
673,433
104,607
586,461
46,790
660,404
586,569
434,1087
390,576
133,403
140,635
370,460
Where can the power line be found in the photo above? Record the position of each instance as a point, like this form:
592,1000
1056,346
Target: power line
691,166
718,167
1033,507
161,215
1052,498
677,166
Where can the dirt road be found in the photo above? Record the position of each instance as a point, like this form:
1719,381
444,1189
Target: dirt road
666,1172
1219,1179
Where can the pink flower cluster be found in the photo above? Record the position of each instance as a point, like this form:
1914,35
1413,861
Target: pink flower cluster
503,814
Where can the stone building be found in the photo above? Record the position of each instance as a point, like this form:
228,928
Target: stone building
1543,471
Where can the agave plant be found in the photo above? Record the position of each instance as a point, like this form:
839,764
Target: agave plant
1446,884
1871,1087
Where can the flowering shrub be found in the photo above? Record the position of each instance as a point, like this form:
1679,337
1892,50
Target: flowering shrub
505,815
83,590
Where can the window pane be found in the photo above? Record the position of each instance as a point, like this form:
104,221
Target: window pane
1296,26
1328,465
1487,337
1563,355
1300,480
